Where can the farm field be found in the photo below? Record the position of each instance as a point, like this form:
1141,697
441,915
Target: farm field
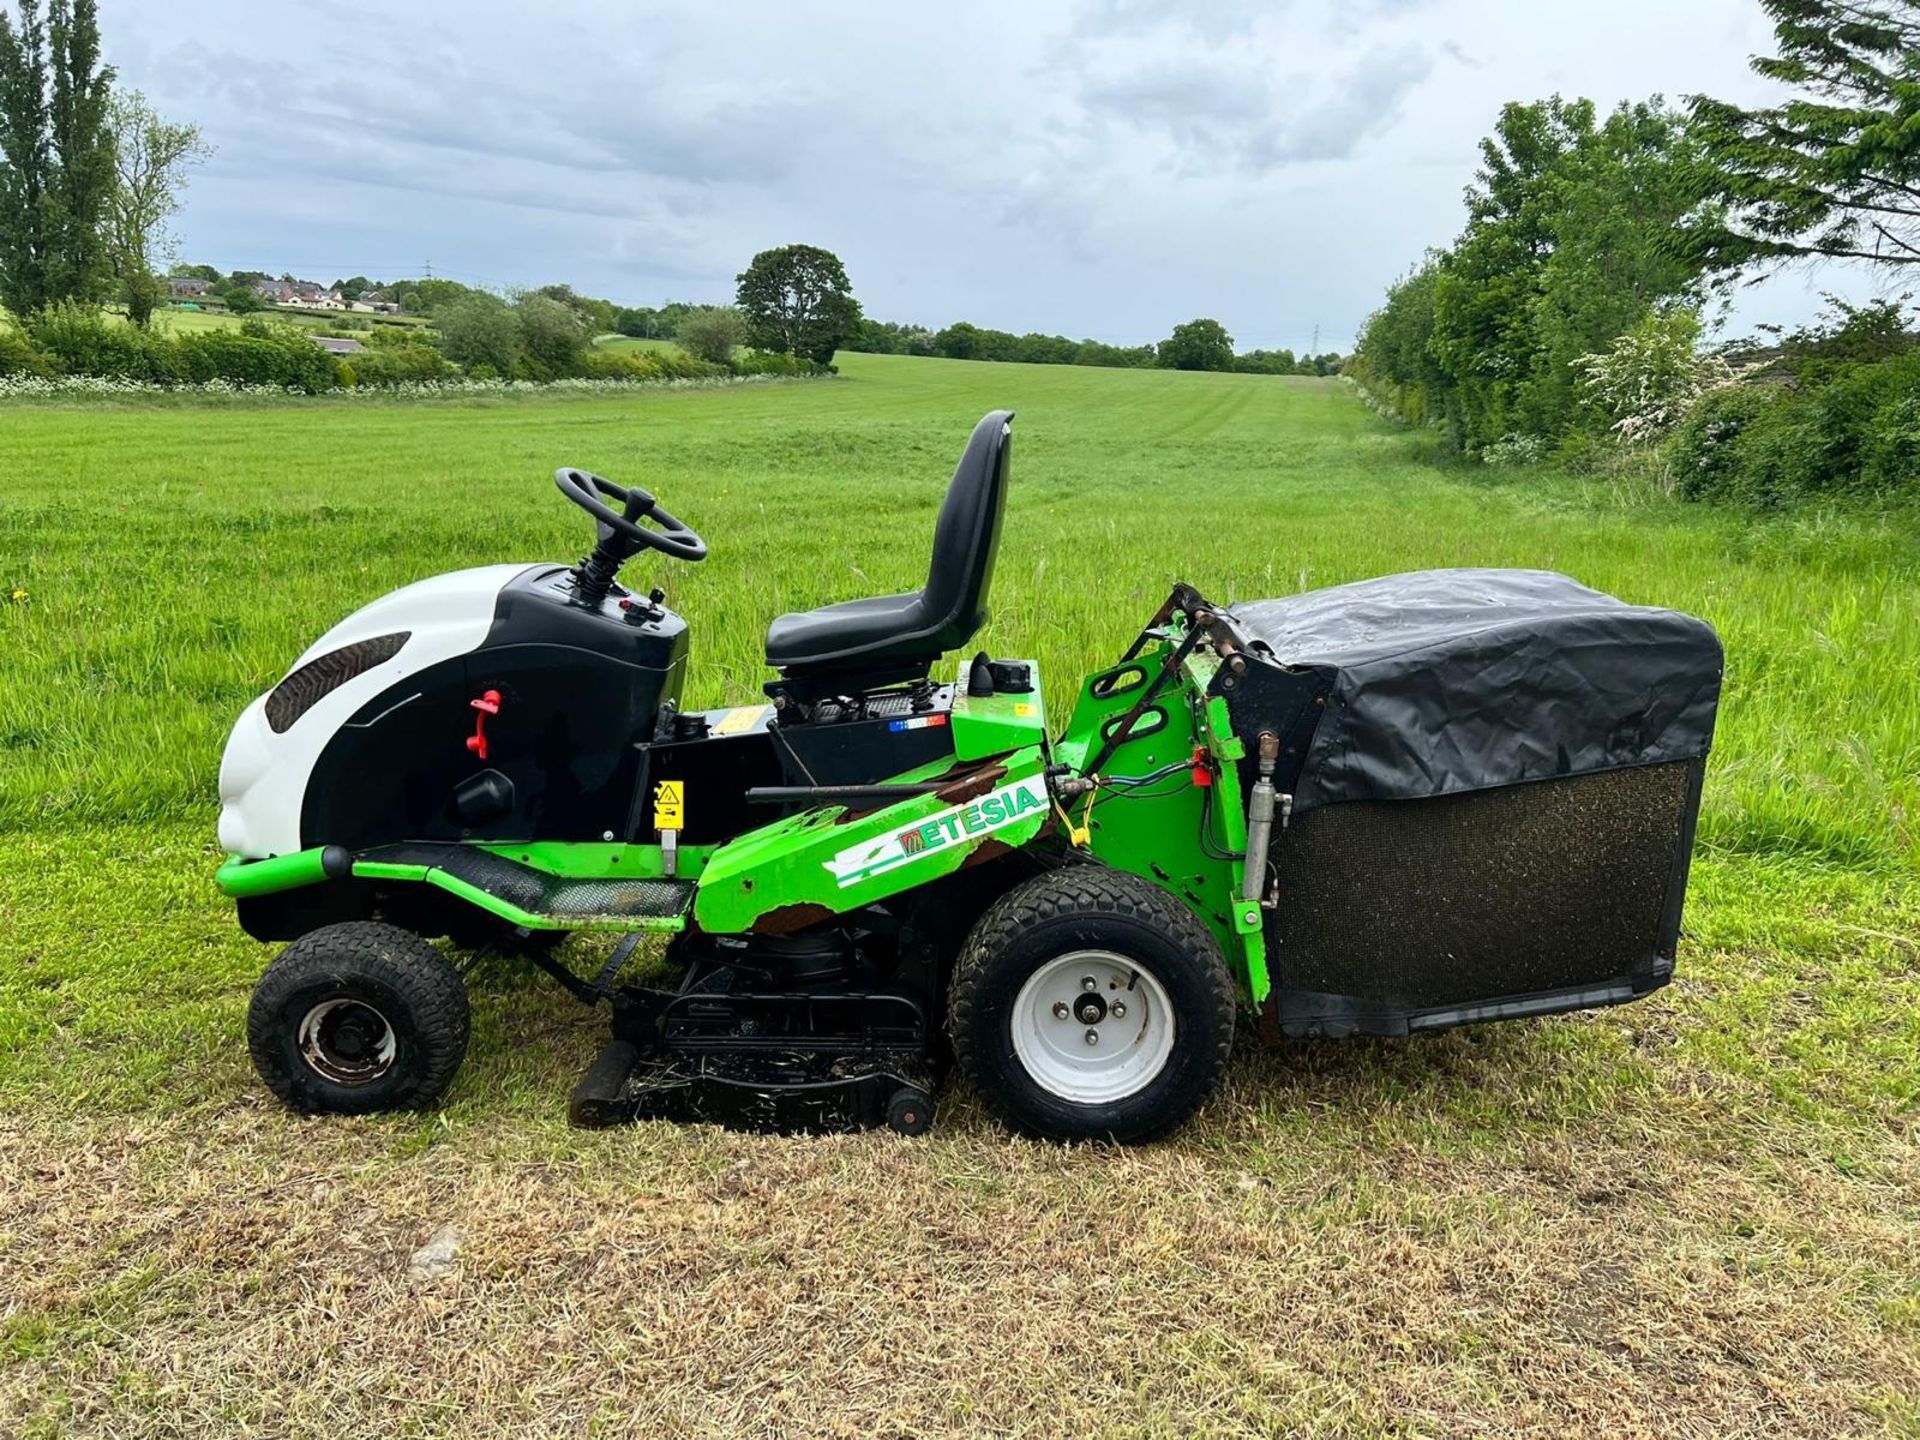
1696,1215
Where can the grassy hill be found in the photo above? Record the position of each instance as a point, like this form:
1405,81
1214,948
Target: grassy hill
1690,1215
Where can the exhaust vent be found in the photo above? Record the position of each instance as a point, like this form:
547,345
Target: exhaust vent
305,687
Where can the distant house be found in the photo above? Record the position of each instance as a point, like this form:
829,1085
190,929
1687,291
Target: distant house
338,345
181,287
300,295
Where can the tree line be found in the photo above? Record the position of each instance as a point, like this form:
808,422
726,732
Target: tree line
1202,344
1567,317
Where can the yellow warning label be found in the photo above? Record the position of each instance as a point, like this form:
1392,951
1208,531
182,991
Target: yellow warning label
739,720
669,801
1022,710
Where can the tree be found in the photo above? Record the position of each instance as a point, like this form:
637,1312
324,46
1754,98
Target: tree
1197,345
26,159
711,334
552,336
150,160
798,302
81,182
479,329
1834,171
195,272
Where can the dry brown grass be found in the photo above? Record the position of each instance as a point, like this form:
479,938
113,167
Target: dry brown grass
1362,1263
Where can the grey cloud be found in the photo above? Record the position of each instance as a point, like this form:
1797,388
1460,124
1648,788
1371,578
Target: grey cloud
1032,164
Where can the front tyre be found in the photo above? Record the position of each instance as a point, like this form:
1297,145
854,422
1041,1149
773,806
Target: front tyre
357,1018
1089,1004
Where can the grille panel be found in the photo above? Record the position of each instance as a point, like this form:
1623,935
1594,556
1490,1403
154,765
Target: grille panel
316,679
1405,905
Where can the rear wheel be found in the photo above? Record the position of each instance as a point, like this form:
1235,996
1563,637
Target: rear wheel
1090,1004
356,1018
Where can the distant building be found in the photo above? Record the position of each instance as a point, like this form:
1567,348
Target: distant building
338,345
299,294
181,287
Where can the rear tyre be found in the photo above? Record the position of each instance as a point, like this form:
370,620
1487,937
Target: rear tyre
356,1018
1089,1004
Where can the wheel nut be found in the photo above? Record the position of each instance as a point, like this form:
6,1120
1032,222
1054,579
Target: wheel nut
1089,983
1119,1011
1059,1009
1093,1037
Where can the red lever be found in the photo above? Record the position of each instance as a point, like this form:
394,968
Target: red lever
487,704
1202,771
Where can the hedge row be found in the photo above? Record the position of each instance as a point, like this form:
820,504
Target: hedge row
73,340
1854,432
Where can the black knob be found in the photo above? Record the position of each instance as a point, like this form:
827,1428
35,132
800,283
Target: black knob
980,675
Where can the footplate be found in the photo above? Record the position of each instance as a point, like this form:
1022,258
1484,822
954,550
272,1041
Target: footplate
531,897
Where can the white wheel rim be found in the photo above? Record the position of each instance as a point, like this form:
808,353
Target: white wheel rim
1132,1027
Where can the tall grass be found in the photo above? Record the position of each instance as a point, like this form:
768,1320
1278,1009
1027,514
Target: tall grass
160,566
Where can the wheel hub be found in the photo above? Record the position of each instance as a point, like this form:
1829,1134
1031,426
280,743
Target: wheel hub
1092,1027
348,1041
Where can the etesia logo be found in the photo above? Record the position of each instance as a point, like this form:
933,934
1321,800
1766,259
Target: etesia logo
960,823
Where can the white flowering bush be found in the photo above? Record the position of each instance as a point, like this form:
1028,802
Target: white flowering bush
1514,450
92,387
1651,377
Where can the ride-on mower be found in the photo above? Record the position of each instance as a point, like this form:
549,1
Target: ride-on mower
1388,807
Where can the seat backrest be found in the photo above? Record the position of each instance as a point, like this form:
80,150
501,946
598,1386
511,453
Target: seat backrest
967,536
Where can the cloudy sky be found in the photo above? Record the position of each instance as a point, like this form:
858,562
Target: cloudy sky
1098,168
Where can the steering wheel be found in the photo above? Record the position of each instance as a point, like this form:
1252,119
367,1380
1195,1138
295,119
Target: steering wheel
620,531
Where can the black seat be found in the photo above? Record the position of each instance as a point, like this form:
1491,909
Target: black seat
893,638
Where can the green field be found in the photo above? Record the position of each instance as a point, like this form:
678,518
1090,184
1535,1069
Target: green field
1694,1215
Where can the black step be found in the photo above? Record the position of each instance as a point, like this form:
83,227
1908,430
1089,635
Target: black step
538,893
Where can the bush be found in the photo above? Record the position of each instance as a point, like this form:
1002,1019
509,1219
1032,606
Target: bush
402,365
1770,444
645,365
713,334
552,339
261,352
19,357
82,341
1707,450
761,362
479,330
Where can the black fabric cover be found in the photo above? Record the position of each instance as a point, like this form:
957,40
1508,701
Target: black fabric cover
1450,681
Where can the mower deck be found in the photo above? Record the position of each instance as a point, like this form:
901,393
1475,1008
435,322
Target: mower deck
724,1049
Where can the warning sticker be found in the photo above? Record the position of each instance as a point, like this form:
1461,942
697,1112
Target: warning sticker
740,719
669,802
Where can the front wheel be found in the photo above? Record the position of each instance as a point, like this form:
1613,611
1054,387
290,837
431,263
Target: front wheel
356,1018
1090,1004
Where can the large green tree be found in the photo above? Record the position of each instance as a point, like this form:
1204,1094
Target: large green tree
798,301
1835,170
25,159
56,162
82,143
1197,345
